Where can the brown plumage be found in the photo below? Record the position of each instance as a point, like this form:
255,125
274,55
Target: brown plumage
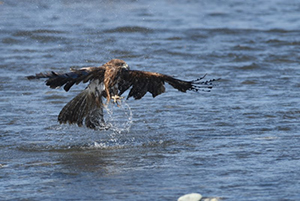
110,80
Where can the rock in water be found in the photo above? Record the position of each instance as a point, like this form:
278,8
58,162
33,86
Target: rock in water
190,197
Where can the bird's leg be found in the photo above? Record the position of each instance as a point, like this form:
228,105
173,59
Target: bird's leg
117,99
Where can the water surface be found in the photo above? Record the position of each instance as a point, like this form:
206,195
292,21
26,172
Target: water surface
238,142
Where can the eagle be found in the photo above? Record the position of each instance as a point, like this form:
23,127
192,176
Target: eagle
110,81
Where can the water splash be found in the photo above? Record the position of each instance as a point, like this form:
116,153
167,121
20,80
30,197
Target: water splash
119,119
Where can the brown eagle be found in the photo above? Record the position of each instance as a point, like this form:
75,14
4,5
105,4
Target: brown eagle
110,81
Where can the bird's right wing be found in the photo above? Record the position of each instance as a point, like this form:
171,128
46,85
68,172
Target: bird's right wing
75,76
141,82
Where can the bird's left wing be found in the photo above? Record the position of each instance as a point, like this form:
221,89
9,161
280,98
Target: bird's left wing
142,82
75,76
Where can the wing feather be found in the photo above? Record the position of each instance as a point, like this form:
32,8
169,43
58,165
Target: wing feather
138,90
67,80
142,82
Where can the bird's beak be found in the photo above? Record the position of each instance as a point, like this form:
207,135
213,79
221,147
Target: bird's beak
125,66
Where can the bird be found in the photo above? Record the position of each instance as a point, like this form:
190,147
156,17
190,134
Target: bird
110,81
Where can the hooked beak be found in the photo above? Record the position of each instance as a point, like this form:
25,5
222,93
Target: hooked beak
125,66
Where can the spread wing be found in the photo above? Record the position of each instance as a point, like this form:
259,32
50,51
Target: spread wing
69,79
142,82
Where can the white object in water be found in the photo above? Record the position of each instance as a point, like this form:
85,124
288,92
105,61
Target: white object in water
190,197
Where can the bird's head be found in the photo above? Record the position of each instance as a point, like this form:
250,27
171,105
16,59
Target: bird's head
119,63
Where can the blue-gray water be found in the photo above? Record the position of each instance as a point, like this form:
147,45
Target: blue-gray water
241,141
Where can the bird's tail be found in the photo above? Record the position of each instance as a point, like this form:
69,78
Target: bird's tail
84,106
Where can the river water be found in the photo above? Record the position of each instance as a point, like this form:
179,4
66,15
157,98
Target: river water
241,141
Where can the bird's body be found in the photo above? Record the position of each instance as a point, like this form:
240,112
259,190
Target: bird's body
110,81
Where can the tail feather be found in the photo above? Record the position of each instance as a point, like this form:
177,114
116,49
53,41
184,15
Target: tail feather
84,106
95,119
81,109
68,113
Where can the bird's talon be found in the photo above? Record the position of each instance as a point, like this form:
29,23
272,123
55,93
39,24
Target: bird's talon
117,99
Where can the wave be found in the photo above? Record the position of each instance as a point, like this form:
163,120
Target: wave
129,29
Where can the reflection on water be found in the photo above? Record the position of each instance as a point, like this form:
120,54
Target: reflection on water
239,141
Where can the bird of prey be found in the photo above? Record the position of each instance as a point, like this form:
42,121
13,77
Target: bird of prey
110,81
